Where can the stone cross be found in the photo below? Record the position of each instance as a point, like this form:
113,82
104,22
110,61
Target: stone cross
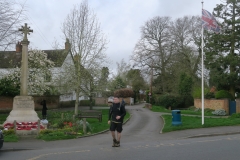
24,64
25,30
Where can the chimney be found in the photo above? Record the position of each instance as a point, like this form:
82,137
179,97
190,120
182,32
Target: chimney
67,45
18,47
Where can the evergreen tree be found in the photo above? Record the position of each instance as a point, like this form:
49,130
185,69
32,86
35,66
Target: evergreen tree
222,50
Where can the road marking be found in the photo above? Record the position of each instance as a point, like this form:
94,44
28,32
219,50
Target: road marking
57,153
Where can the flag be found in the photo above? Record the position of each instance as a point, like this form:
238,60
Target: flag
209,22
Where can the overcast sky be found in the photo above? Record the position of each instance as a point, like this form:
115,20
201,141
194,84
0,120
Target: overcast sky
120,20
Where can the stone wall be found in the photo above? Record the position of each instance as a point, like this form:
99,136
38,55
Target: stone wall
213,104
6,103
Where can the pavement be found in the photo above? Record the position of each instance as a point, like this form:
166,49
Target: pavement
143,124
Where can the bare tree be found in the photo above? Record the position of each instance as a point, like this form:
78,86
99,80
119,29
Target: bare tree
122,69
11,15
169,48
155,48
186,33
88,45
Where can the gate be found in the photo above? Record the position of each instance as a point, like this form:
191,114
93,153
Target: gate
232,107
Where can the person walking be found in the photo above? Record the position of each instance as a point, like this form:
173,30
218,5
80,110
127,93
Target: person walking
116,115
44,109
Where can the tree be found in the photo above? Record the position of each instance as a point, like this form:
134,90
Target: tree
118,83
136,81
185,85
11,15
167,46
88,45
124,92
186,33
155,48
103,81
222,50
122,69
39,74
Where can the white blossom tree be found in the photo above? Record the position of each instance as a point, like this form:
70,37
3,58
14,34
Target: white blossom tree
39,72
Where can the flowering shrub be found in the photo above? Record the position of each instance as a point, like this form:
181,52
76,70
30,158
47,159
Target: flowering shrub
39,69
219,112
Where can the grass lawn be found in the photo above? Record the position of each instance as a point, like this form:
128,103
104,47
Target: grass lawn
11,138
3,117
196,122
191,112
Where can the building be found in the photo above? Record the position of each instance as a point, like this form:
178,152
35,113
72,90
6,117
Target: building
61,58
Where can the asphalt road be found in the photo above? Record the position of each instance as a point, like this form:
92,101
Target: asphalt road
140,140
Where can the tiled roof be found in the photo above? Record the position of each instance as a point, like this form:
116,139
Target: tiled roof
11,59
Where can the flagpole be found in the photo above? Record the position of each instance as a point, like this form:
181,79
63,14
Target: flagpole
202,77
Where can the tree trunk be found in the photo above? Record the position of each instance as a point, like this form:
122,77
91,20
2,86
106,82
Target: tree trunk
91,106
77,101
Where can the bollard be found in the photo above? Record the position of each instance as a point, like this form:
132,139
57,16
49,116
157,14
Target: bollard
15,126
38,127
84,126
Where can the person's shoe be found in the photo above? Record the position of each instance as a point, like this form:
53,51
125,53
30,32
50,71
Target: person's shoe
117,144
114,143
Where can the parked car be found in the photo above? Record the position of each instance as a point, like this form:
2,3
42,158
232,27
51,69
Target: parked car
1,139
110,99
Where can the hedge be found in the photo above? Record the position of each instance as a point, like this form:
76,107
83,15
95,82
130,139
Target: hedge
223,94
86,103
167,100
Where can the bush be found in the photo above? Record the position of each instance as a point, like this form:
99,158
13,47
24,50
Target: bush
219,112
168,100
86,103
223,94
9,87
197,93
147,96
66,104
188,101
185,84
124,93
8,132
209,95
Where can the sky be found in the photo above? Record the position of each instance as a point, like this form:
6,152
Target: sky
120,20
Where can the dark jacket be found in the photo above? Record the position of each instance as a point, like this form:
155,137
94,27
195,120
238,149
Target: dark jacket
117,109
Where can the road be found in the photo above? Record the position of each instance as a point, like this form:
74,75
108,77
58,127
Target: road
140,140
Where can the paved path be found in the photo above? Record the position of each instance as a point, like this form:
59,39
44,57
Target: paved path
140,134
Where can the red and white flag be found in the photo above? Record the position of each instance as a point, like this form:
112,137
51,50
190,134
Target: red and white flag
209,22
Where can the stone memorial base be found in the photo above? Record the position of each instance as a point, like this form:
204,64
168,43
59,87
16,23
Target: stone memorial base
23,110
